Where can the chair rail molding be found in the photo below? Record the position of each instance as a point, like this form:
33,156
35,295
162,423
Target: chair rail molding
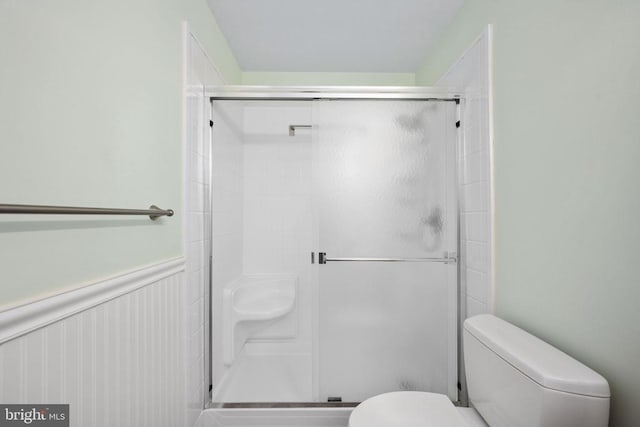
22,319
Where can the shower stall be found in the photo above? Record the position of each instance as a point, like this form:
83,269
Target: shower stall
335,244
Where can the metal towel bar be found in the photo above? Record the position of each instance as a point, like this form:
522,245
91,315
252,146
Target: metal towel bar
153,212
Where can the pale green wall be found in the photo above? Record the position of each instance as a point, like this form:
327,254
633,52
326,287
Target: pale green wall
567,155
327,79
91,114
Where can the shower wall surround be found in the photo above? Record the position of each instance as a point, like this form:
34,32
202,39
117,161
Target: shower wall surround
200,73
278,211
471,74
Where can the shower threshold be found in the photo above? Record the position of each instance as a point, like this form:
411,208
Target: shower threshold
321,415
281,405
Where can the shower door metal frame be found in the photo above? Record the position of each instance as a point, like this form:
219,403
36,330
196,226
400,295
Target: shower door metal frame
306,93
409,93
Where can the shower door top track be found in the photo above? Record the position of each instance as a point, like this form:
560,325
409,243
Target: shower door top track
307,93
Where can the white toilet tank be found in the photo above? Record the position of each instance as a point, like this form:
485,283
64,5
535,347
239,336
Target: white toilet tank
517,380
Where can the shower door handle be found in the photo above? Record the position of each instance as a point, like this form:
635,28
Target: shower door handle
448,258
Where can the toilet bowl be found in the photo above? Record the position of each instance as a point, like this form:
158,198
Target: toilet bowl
413,409
513,379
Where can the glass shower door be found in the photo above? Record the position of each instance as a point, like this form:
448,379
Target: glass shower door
385,183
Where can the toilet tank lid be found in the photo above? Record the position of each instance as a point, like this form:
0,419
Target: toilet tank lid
543,363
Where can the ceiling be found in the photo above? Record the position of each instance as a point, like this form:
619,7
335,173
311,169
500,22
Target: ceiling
333,35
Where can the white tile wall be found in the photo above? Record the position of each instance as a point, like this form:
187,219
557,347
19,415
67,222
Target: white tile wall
117,364
472,74
200,73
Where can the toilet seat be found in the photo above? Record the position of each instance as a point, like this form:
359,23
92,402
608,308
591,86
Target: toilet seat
407,409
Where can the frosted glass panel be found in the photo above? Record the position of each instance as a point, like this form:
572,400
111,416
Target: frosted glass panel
382,168
384,181
383,328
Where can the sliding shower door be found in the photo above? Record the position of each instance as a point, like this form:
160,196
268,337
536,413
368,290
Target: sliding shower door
386,215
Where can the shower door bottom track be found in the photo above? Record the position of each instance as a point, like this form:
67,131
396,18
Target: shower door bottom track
271,405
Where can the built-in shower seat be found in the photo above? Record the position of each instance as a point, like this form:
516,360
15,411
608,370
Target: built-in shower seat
256,302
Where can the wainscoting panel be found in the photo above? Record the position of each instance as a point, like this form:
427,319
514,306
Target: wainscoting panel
118,363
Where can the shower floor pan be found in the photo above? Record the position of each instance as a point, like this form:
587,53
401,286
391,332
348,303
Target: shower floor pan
271,390
273,378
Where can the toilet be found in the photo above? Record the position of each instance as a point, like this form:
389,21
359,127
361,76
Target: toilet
514,380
